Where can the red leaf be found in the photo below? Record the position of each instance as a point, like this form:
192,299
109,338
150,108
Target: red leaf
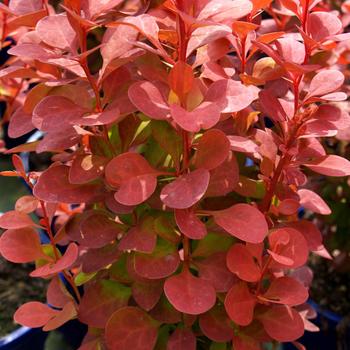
135,178
141,238
68,313
181,78
54,112
240,304
148,99
224,178
241,262
205,116
282,323
97,230
189,224
85,168
56,295
131,328
312,201
26,204
245,343
22,7
272,107
101,300
20,123
330,165
243,221
15,220
325,82
163,261
186,190
321,25
66,261
183,339
288,247
21,246
34,314
96,259
54,186
189,294
147,294
216,325
230,95
213,269
311,234
286,290
213,149
56,31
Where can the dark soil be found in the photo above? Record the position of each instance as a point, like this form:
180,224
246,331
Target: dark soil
330,287
16,288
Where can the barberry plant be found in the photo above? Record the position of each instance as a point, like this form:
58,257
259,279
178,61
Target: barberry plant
182,133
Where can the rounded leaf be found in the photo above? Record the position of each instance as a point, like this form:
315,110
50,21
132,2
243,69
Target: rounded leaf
186,190
241,262
243,221
21,245
216,325
213,149
189,294
131,328
183,339
189,224
34,314
240,304
282,323
286,290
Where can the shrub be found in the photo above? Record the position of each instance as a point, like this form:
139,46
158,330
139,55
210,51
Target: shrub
181,134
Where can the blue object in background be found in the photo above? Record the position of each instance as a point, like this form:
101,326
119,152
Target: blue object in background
326,338
25,338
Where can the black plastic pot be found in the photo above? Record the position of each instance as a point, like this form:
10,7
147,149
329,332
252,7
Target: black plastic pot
327,338
24,338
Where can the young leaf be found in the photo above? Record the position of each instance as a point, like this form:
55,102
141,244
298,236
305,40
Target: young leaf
131,328
181,79
243,221
189,294
186,190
